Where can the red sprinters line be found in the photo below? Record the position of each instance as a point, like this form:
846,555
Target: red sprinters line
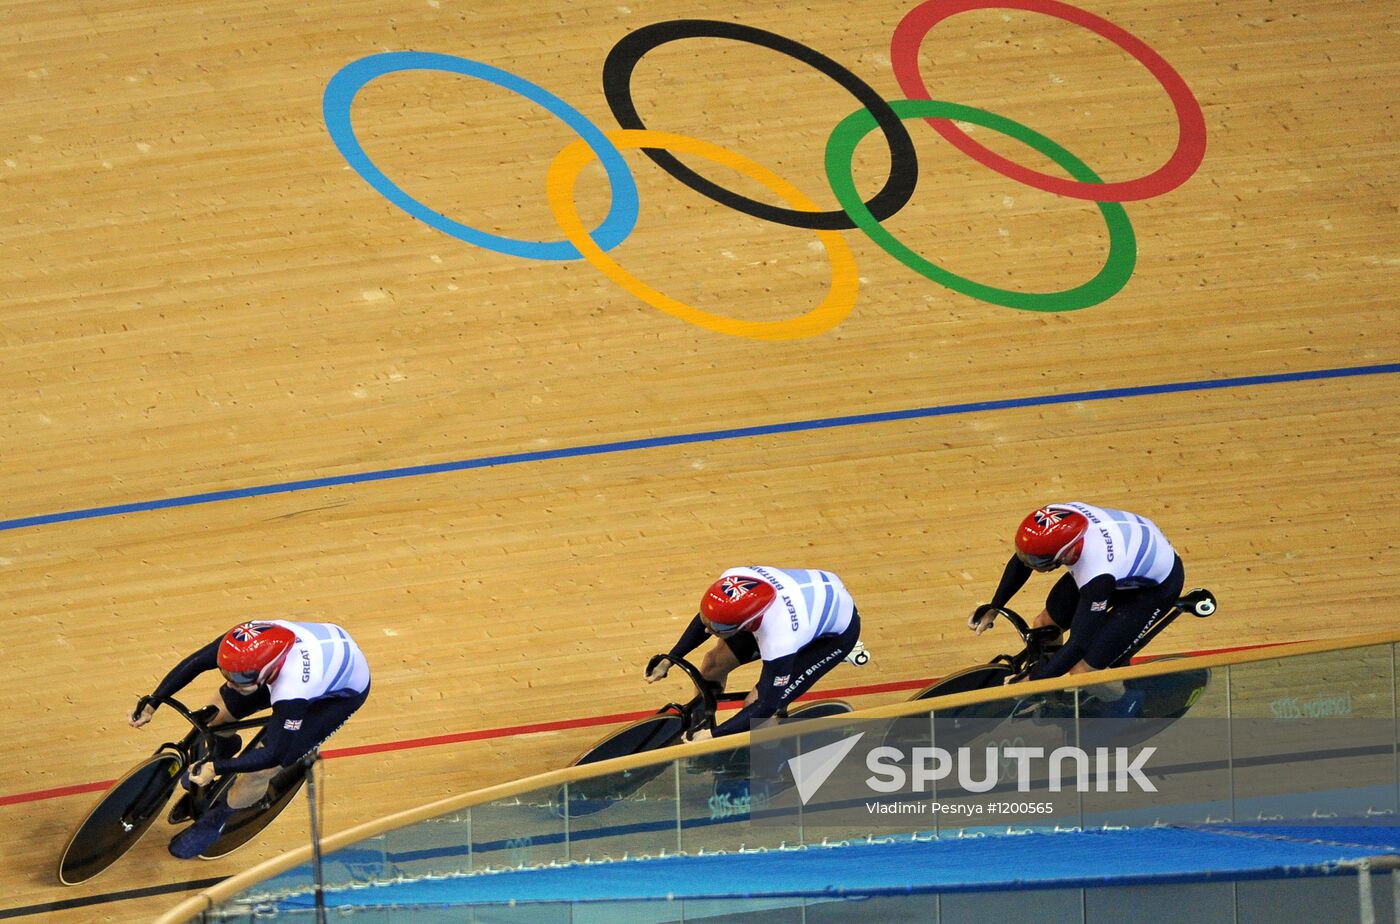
41,794
508,731
511,731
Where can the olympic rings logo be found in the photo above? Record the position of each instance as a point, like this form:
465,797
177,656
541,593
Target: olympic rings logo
800,211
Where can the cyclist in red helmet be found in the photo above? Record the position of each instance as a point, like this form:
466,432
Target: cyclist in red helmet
801,623
1122,575
312,675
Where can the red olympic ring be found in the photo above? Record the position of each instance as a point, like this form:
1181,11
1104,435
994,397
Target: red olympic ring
1191,123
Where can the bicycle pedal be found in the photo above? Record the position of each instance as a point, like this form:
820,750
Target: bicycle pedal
859,656
180,811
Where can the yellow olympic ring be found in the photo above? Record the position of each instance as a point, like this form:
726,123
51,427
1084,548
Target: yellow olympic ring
559,190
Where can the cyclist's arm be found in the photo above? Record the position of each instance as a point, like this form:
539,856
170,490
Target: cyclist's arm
768,701
1012,580
1089,618
690,639
284,742
205,659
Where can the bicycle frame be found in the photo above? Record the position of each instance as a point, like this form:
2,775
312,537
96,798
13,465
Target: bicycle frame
1040,640
699,712
129,808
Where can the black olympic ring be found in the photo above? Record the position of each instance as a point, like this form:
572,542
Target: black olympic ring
617,87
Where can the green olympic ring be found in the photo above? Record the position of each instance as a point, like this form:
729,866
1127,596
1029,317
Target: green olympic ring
1122,247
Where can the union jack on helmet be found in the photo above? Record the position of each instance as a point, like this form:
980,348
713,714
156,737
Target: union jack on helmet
1048,536
734,603
253,652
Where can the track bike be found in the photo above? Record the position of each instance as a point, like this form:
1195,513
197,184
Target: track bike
129,808
1160,699
672,724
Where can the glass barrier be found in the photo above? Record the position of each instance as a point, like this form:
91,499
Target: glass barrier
1314,735
1309,739
1286,901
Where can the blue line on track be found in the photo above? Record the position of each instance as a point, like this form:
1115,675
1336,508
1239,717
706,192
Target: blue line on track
707,436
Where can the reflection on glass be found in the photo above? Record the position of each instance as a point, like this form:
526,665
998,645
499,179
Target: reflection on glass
987,738
1303,740
637,819
518,831
1313,737
1182,717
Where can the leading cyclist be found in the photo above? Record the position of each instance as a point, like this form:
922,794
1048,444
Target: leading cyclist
313,676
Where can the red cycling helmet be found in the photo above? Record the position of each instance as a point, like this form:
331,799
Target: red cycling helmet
735,603
253,652
1049,537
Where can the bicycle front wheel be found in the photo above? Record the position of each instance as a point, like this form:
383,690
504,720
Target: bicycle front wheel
591,795
121,816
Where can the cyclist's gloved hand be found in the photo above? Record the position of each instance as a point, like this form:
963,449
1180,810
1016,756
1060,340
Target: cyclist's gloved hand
202,772
982,618
142,713
659,672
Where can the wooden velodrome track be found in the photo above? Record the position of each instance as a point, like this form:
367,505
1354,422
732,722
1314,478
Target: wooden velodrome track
200,296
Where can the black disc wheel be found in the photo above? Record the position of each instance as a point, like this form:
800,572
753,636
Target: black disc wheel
246,824
825,709
123,814
981,677
587,796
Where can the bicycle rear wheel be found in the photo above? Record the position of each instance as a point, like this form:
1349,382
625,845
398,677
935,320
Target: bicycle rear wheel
248,823
120,818
825,709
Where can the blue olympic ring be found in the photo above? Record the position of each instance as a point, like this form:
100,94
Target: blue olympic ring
349,80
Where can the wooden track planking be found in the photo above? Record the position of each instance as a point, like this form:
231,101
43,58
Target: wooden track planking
198,295
556,623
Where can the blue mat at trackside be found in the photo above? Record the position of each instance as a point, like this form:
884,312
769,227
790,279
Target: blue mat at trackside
1068,859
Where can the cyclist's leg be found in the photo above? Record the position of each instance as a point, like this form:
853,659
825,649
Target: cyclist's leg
324,717
226,744
1092,647
249,787
819,656
216,699
1132,614
214,713
230,705
233,706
